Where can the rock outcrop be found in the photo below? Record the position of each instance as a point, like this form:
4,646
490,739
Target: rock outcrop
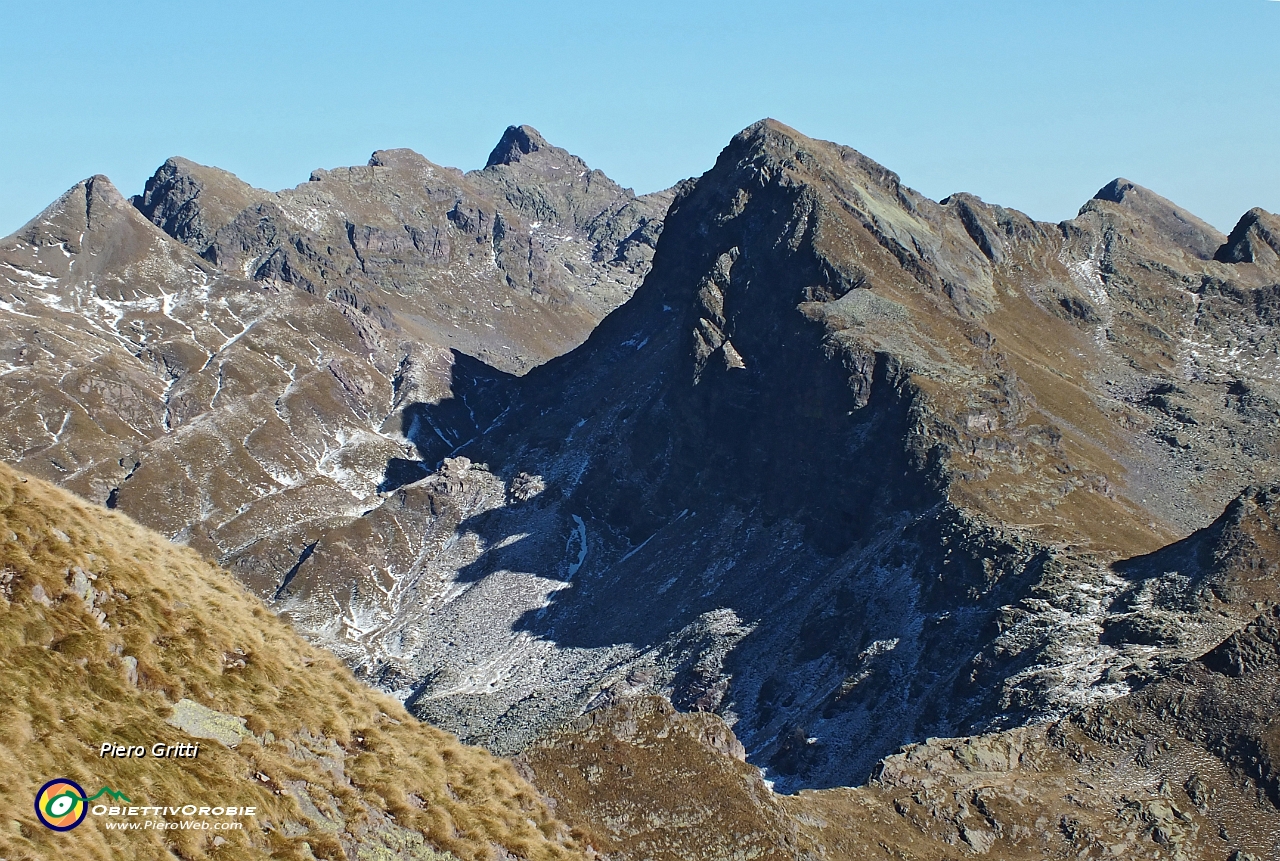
1255,239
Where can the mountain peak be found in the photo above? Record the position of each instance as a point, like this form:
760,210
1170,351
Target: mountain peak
769,134
1116,190
401,157
517,142
549,184
1255,239
97,190
778,141
770,126
124,249
81,208
1191,234
190,201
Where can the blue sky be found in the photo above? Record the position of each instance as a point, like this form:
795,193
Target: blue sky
1032,104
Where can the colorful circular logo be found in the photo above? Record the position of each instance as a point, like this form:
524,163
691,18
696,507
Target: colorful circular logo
60,804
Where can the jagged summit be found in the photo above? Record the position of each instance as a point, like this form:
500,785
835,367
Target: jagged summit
768,128
550,187
64,224
524,151
191,202
769,138
84,206
401,157
421,246
1116,190
276,327
1255,239
516,142
1171,222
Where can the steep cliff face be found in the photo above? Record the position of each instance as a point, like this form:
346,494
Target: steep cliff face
192,202
1255,239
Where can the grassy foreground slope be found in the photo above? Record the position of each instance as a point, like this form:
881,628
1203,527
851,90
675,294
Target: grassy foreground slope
105,628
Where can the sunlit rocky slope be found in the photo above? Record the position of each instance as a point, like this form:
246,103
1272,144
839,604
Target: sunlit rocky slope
852,468
252,406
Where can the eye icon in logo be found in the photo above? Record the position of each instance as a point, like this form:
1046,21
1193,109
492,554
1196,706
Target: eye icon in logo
60,804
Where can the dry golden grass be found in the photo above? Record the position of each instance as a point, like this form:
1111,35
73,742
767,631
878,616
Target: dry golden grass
320,738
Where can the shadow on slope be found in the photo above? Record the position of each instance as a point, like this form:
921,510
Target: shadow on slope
480,397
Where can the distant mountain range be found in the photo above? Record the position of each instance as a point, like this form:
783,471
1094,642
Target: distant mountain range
790,444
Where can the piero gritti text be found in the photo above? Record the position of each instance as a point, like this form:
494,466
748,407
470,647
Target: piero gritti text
159,750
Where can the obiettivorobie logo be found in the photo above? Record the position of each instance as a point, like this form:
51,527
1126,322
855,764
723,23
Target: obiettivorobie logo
61,804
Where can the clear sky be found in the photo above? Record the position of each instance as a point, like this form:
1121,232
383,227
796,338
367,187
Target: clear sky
1033,104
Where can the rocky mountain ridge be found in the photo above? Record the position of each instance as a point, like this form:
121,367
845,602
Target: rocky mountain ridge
536,244
277,395
851,468
854,468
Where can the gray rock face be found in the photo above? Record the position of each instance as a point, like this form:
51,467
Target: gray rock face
1168,220
1255,239
513,264
564,191
191,202
569,202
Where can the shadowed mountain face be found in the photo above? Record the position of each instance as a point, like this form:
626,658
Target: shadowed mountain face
851,468
1182,769
1255,239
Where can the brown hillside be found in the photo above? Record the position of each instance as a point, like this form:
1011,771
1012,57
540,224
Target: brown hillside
107,628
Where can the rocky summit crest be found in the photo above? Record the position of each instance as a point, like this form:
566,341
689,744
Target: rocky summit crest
515,143
1165,218
1255,239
